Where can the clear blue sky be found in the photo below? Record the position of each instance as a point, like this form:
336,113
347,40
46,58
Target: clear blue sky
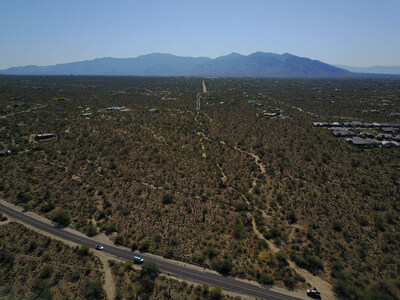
349,32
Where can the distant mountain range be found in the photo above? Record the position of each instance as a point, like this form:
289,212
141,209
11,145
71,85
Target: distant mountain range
258,64
372,70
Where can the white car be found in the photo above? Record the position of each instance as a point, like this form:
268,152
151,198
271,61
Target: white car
99,247
138,260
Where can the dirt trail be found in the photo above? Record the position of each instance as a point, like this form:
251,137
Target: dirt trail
320,284
324,287
258,162
257,159
109,284
24,111
271,245
223,178
304,111
208,117
204,154
203,136
198,97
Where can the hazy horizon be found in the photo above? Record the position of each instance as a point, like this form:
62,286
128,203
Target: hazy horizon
357,33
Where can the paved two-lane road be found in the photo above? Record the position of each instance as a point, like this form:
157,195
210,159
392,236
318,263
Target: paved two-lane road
165,266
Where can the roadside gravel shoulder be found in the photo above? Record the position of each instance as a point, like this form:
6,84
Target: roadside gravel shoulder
109,285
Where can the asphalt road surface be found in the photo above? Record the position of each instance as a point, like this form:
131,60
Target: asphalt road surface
167,267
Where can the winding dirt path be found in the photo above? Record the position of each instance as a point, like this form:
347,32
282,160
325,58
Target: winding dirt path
316,282
203,136
320,284
271,245
258,162
223,178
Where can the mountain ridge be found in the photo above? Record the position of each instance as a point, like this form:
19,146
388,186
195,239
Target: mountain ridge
257,64
389,70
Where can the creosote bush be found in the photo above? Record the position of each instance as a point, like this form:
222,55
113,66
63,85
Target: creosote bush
62,218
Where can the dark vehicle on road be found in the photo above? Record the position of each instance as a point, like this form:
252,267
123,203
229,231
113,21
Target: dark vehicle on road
314,294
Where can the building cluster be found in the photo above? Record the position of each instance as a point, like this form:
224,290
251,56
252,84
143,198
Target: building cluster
365,135
85,114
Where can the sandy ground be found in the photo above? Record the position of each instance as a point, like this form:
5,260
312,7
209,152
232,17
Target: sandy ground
5,222
204,87
109,284
322,286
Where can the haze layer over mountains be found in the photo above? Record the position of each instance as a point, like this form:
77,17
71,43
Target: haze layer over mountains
258,64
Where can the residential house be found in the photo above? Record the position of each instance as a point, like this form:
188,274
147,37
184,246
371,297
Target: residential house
364,143
390,129
343,133
45,137
390,144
